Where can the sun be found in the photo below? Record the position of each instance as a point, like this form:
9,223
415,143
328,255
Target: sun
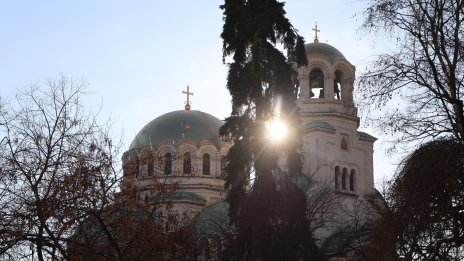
277,130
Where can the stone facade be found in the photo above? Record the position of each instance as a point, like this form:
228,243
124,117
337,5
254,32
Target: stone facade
193,189
334,150
336,155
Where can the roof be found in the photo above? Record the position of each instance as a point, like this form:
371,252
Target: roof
366,135
213,219
318,125
324,49
179,195
337,243
176,126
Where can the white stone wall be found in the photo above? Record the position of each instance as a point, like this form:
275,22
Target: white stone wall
332,121
322,147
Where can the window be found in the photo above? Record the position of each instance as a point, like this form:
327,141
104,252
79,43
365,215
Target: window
345,179
206,164
187,163
167,163
337,85
137,167
344,144
352,177
345,173
223,166
337,177
316,84
203,245
150,167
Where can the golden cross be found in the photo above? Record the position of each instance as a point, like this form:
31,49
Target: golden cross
187,105
316,40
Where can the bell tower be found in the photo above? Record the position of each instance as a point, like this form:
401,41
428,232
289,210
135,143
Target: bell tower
337,155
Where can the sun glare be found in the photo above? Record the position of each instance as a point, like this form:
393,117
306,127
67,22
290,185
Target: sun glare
277,130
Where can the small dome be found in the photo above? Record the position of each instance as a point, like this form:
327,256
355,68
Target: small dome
318,125
176,126
178,196
338,242
324,49
213,219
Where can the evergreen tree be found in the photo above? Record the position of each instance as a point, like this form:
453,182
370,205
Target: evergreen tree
270,211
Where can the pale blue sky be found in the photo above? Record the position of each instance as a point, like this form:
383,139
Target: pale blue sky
138,56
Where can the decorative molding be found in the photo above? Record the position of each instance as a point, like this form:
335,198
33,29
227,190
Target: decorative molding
319,64
319,130
361,138
348,70
330,114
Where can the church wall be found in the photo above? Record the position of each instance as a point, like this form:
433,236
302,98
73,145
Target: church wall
367,150
338,145
144,169
322,152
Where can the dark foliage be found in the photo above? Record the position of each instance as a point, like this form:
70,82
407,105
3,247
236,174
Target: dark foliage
270,212
425,215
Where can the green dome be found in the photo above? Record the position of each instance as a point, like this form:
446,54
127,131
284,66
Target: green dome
324,49
318,125
338,242
176,126
178,195
213,219
366,135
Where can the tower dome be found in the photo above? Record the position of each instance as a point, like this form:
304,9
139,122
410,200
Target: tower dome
325,50
177,126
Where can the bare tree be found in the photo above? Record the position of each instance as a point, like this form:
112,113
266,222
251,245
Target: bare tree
133,230
133,224
54,157
323,204
418,87
418,90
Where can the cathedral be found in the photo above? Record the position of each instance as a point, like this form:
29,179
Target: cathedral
183,148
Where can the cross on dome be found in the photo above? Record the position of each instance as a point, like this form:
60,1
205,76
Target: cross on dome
316,40
188,93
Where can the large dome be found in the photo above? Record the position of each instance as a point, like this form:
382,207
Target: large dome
176,126
324,49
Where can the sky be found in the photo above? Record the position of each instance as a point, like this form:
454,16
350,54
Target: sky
138,56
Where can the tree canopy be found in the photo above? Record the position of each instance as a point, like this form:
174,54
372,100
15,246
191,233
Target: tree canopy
418,87
56,161
424,219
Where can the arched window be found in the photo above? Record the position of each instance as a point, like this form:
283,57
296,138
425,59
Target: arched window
167,163
345,173
316,84
352,177
150,167
203,245
223,166
206,164
337,177
343,144
187,163
338,85
137,167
